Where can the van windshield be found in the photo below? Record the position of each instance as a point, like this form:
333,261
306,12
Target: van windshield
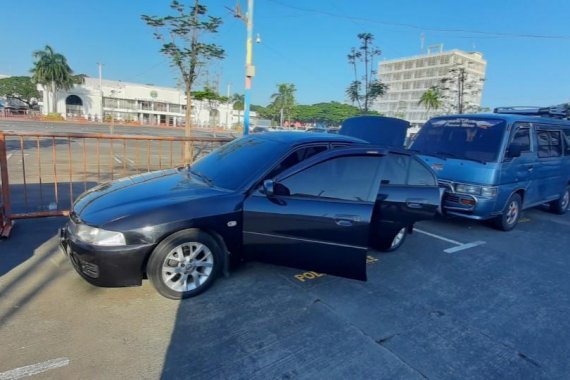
463,138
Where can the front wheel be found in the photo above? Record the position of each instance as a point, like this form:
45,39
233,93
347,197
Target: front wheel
560,206
511,214
185,264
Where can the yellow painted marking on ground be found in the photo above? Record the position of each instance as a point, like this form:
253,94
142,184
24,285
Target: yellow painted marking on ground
371,260
303,277
524,220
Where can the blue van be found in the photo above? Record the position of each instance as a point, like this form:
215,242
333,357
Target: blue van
492,166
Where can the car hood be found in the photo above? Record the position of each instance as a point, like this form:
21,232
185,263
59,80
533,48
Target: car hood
463,171
112,201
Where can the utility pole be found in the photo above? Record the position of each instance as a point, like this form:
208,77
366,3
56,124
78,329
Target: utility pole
100,65
249,67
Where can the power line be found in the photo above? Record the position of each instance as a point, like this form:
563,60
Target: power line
424,28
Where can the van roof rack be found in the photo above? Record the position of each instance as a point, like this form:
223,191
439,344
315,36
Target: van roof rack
561,111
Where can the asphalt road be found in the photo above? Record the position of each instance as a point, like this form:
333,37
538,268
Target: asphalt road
458,301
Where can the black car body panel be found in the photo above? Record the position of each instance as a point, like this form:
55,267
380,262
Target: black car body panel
378,130
328,231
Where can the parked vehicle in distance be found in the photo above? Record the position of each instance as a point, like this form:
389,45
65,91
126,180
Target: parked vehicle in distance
316,129
259,129
333,130
310,201
492,166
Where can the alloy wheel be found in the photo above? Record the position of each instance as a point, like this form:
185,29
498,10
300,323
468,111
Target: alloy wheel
187,266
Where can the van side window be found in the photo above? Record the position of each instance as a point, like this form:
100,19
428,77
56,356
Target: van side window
567,142
520,142
549,144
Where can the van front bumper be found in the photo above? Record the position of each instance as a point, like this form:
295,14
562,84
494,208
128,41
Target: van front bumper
469,206
106,266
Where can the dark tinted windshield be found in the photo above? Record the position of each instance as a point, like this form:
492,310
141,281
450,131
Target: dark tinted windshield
471,139
238,162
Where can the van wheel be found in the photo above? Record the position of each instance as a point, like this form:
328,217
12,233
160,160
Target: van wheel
511,214
185,264
560,206
396,242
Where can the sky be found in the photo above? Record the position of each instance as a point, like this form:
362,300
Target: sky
526,43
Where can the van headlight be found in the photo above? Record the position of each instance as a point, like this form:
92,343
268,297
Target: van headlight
484,191
98,236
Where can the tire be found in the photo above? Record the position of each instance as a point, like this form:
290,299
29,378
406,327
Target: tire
510,215
390,245
560,206
173,271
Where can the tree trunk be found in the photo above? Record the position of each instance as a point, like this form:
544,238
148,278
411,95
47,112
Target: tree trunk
53,97
188,145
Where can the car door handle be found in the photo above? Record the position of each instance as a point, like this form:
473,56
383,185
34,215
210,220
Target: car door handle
415,203
346,220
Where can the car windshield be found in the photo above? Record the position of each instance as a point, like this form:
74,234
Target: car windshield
238,162
463,138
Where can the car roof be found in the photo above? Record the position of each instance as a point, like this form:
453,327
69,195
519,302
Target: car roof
295,138
509,118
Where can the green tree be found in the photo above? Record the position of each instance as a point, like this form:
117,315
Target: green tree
238,103
52,71
431,99
366,88
330,114
284,100
20,88
182,40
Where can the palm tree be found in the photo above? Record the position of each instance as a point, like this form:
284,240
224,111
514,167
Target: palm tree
238,101
431,99
284,99
52,71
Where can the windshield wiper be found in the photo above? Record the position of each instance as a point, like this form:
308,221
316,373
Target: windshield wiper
203,177
452,155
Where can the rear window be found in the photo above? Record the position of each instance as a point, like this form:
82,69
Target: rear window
477,139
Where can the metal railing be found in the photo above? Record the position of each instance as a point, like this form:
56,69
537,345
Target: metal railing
42,173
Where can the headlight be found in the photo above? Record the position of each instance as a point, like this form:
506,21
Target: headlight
468,189
97,236
484,191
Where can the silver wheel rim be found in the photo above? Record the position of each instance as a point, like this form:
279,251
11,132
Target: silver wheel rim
565,200
513,212
187,267
398,238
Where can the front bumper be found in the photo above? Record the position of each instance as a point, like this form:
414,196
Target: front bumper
106,266
469,206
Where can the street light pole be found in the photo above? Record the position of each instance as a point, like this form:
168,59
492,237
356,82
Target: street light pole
249,67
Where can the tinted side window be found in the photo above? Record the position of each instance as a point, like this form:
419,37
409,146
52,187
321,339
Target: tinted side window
420,175
346,178
296,157
549,143
395,169
522,139
567,142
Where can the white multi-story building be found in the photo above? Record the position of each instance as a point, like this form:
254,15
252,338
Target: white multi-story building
134,102
408,79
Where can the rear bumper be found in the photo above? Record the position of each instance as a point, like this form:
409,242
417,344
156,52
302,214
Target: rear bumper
106,266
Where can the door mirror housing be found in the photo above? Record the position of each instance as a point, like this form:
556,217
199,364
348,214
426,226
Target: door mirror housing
514,151
272,188
269,187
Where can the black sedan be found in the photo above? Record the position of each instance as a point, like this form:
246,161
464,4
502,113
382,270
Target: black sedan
310,201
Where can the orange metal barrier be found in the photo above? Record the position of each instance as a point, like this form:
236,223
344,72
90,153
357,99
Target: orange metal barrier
42,173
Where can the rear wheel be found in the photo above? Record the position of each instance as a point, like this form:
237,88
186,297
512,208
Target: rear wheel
390,245
560,206
511,214
185,264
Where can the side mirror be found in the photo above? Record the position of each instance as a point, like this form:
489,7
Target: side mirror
269,187
514,151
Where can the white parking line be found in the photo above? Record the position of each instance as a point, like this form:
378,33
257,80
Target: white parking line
118,160
34,369
464,246
9,156
437,237
459,246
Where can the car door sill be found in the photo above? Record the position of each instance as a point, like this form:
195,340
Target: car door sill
305,240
